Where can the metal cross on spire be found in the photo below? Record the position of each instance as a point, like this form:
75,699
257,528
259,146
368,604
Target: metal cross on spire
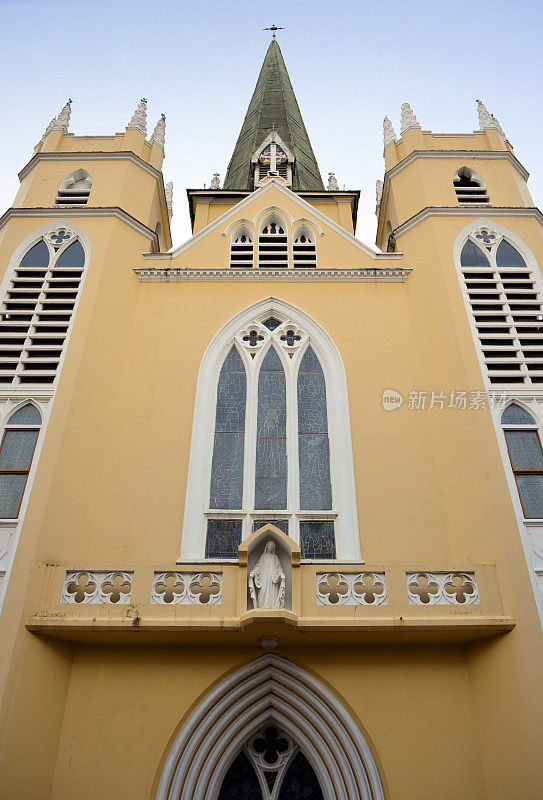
273,29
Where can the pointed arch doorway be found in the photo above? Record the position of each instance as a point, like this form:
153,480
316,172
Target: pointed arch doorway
264,733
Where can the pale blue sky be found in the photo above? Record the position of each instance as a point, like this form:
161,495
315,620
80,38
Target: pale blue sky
350,64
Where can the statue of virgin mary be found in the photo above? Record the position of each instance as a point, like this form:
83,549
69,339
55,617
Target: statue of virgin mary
267,580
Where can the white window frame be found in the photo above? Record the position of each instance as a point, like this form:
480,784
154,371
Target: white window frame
344,512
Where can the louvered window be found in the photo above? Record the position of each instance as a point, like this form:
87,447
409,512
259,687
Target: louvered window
241,249
304,251
506,307
37,310
469,187
74,189
273,245
526,456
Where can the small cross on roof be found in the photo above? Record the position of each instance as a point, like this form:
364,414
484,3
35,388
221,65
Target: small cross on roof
273,29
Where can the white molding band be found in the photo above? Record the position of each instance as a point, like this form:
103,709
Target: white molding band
466,211
341,454
82,211
91,155
282,275
270,690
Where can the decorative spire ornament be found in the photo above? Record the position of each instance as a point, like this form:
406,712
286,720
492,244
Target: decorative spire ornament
389,134
215,182
409,119
486,120
332,183
159,133
48,130
63,120
378,192
169,195
139,118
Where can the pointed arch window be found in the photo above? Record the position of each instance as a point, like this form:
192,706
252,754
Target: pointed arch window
74,189
273,242
16,454
470,187
304,250
270,766
241,247
526,456
506,307
271,451
38,307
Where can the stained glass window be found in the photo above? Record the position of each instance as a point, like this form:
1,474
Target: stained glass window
226,488
516,415
271,435
240,782
223,538
313,445
473,256
526,456
317,540
508,256
16,453
300,782
282,524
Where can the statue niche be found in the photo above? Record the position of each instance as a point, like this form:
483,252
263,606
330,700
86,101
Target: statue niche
267,581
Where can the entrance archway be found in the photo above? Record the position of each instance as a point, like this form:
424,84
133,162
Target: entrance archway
270,697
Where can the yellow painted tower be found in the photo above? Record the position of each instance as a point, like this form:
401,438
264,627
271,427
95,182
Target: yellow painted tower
271,501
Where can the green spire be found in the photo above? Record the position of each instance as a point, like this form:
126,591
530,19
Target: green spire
274,102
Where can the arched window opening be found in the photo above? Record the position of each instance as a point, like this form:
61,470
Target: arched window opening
304,250
270,765
506,308
526,456
273,243
37,309
16,454
272,159
278,448
469,187
241,248
74,189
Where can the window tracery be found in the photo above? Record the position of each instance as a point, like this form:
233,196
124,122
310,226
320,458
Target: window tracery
273,242
506,308
241,248
38,307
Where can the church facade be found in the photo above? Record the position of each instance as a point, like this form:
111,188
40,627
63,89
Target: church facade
271,506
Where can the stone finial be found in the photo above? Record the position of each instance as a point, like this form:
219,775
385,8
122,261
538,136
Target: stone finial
378,192
139,118
389,134
63,120
159,133
215,182
486,120
409,119
48,130
169,194
332,183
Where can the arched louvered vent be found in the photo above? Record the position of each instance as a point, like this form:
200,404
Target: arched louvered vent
470,187
74,189
506,307
304,251
241,248
37,310
273,244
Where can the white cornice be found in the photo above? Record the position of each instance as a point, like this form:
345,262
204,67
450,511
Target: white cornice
311,275
92,155
463,211
81,211
309,210
439,154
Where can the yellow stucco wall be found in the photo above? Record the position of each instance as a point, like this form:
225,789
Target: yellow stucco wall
444,718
